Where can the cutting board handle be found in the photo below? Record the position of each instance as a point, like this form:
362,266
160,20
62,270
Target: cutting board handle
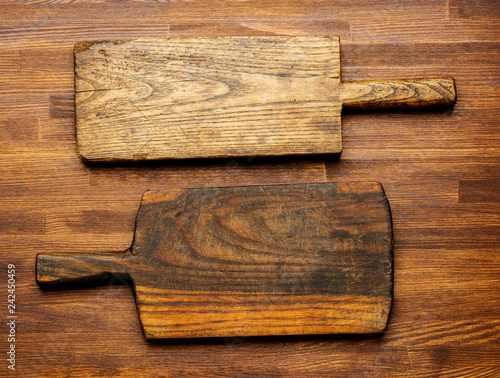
76,268
410,93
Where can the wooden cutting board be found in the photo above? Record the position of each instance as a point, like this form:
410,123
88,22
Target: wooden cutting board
245,261
220,97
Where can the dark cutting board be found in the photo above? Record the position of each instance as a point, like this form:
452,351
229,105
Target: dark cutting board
220,97
271,260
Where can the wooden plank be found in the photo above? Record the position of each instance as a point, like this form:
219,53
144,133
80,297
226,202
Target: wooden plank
471,191
16,224
223,97
26,129
252,261
474,9
192,98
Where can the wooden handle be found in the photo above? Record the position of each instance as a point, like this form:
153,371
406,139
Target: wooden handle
88,268
411,93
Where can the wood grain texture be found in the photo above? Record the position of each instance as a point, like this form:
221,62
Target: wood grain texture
207,97
251,261
223,97
390,94
439,170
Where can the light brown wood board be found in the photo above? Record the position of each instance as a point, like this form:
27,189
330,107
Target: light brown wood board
251,261
222,97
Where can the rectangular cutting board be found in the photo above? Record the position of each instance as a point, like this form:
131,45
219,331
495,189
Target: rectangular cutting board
221,97
251,261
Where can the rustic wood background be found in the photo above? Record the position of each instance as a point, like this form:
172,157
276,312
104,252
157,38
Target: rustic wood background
440,170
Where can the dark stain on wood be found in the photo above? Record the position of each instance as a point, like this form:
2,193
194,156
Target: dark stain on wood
62,105
476,191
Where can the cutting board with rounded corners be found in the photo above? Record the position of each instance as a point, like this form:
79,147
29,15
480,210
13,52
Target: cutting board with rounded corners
251,261
222,97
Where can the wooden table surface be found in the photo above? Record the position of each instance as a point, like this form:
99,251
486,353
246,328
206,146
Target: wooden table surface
440,170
